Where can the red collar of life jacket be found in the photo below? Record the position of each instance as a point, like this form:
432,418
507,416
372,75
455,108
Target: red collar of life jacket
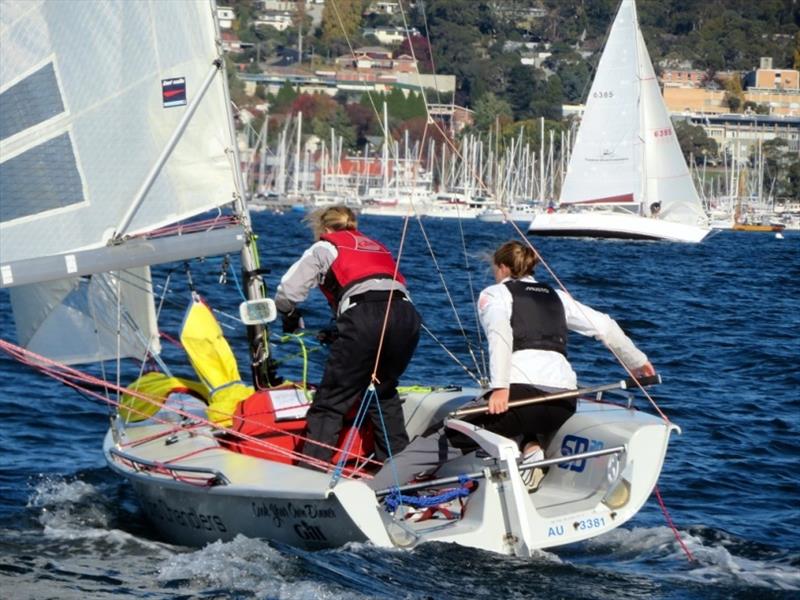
359,258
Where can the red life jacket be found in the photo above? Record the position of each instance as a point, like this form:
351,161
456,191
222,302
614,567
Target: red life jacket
359,258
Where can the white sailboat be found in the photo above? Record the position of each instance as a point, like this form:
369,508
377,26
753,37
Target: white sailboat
116,135
626,177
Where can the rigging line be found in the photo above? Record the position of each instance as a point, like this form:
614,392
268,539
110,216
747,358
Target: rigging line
369,394
675,531
386,134
333,3
390,147
449,296
71,378
482,369
119,332
453,356
299,339
374,376
422,92
588,318
130,322
430,47
389,457
236,282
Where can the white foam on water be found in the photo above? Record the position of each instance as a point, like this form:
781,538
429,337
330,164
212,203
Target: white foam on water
250,565
56,490
714,564
76,510
719,566
635,541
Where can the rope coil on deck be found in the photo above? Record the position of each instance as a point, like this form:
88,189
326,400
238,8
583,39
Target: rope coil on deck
395,499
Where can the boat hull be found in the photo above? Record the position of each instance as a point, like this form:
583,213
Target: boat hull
762,228
245,495
195,516
614,225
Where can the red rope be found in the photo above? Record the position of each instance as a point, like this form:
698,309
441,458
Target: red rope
74,378
675,531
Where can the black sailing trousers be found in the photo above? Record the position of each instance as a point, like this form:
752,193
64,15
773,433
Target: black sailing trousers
349,368
524,422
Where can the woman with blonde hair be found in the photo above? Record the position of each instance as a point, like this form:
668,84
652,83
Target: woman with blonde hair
358,277
526,324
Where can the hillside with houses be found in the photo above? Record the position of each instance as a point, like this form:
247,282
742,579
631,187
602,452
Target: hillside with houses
442,72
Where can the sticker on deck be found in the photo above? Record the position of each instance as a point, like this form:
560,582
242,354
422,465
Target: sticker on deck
173,91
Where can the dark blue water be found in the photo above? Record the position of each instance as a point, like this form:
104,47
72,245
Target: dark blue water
719,320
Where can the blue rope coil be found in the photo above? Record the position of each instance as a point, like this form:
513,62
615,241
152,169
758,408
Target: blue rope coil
396,499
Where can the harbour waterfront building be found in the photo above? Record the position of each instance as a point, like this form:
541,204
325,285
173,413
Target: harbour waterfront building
740,133
689,91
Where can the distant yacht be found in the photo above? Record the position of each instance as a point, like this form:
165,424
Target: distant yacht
627,177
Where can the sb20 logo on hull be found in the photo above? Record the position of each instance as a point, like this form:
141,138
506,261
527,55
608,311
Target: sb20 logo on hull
574,444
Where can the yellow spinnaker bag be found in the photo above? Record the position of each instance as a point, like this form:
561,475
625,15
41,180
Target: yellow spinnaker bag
155,387
214,362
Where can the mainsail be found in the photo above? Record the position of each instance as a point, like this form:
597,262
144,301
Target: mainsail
626,151
90,95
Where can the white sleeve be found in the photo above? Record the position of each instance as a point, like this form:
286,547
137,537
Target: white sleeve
494,311
306,273
589,322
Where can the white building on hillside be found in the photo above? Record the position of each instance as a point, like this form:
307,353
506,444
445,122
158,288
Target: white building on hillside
225,16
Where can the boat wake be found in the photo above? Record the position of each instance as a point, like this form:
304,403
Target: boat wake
80,511
248,566
104,538
720,559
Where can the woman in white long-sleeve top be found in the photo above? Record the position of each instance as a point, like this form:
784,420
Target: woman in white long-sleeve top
526,324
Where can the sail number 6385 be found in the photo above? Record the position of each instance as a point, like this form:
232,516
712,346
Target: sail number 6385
603,94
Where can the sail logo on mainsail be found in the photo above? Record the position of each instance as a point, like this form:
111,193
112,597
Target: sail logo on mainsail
173,92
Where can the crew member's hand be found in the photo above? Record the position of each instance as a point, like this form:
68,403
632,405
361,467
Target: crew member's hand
498,401
292,321
646,370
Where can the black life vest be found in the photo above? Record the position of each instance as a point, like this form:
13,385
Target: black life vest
358,258
538,321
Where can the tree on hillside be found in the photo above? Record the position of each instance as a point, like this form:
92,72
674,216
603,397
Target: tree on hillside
781,167
483,75
419,131
364,121
694,142
282,101
398,106
314,106
734,95
340,22
421,51
456,31
488,109
574,79
235,85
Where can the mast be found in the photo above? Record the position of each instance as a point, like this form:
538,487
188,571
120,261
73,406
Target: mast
296,187
541,161
257,335
642,125
262,165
